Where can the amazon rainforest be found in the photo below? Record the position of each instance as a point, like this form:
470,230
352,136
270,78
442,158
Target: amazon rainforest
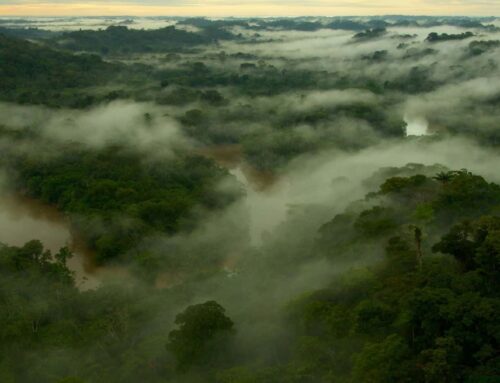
250,200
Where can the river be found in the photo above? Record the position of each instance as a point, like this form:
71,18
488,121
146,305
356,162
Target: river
23,219
267,195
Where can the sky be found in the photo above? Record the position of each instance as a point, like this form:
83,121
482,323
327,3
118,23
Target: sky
221,8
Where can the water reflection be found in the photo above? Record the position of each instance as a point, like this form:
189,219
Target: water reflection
416,126
22,220
266,195
231,158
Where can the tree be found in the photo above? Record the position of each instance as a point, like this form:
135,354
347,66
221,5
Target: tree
202,337
400,255
440,364
459,243
476,245
377,221
213,97
436,37
444,177
383,362
418,244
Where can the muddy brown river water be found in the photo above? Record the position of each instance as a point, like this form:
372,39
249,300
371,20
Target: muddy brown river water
23,219
231,158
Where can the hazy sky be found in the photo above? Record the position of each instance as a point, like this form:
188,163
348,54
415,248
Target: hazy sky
248,7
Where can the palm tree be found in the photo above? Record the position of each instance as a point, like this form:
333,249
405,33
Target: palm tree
444,177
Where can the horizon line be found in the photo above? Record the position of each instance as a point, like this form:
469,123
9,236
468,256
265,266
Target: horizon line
256,16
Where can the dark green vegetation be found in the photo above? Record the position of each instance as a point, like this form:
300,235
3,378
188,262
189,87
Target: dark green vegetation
310,24
26,33
370,34
223,86
116,199
202,337
477,48
326,271
428,310
436,37
33,74
120,39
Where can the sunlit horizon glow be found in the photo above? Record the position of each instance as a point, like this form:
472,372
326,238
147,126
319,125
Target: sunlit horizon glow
224,8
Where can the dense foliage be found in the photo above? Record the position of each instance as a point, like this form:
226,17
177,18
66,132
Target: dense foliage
326,270
202,336
370,34
115,199
120,39
428,311
34,74
436,37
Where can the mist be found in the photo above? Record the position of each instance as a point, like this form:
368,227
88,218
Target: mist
306,175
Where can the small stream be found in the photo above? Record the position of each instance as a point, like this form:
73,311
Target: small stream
266,194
